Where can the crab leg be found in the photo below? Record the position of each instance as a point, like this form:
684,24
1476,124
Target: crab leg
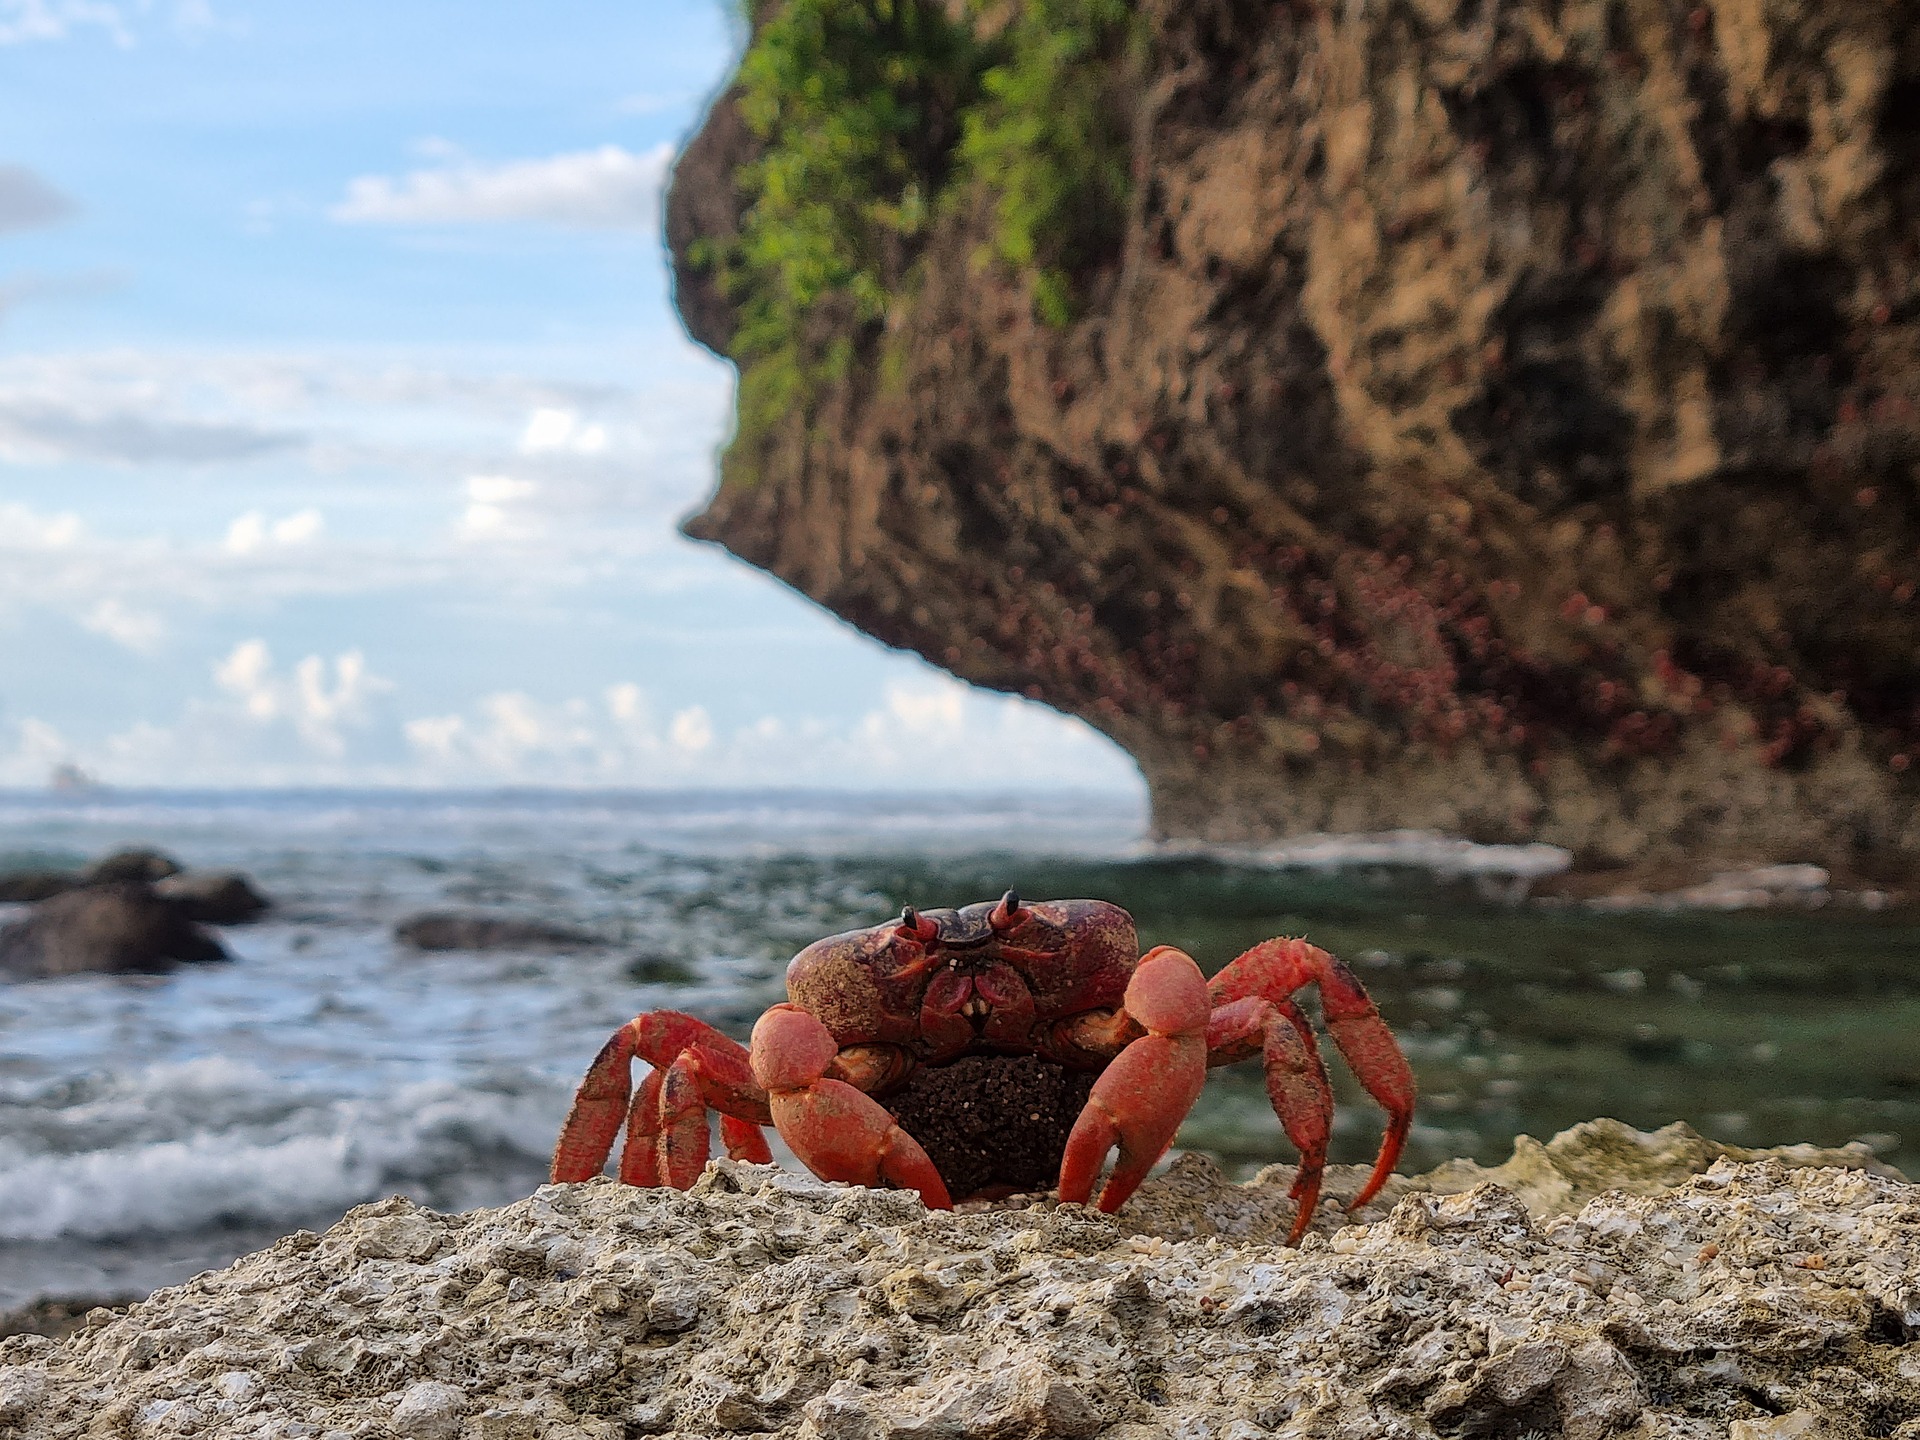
836,1131
1142,1096
1272,971
695,1067
1296,1083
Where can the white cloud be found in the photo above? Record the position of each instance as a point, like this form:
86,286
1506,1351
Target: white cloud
247,673
513,735
931,732
608,188
34,750
25,529
316,701
550,430
25,21
691,730
138,630
493,512
27,201
253,532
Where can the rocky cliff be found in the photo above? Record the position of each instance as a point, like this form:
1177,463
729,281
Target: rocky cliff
1489,415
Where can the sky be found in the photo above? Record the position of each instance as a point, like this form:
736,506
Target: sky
345,422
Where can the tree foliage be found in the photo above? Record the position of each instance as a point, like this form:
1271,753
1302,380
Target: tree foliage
873,116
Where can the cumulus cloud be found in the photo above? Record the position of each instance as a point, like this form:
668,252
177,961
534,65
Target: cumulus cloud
930,732
27,202
252,532
317,700
138,630
608,188
553,431
25,21
493,511
24,529
30,752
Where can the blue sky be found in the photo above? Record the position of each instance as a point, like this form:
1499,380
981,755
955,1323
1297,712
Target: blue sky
344,422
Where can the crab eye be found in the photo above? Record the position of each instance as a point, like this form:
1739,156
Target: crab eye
914,927
1008,913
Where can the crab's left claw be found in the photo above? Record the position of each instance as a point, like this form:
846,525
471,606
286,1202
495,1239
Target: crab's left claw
1251,996
1140,1099
837,1132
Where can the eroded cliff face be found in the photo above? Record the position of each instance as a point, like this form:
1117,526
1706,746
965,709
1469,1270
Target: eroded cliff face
1495,416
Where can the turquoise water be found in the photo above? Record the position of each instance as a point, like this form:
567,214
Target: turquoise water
1760,1028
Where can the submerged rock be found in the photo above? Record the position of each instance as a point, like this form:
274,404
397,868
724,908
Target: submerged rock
449,930
136,864
28,887
113,927
773,1303
214,897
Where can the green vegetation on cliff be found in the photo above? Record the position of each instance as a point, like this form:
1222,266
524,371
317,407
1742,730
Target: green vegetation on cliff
876,115
1046,142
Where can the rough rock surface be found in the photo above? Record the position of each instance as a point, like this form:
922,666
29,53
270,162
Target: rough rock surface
1496,417
1756,1300
115,926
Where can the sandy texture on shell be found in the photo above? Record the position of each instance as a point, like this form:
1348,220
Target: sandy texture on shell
1756,1300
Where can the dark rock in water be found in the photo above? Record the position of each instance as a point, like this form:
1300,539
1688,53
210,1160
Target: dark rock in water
116,927
214,897
444,930
990,1121
29,887
661,970
135,864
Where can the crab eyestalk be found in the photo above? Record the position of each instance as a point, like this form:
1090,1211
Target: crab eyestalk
915,926
1007,914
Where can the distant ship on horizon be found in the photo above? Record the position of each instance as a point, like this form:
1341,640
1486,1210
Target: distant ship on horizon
70,779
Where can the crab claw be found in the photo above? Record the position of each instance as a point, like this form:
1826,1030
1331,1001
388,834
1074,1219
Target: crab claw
1140,1099
837,1132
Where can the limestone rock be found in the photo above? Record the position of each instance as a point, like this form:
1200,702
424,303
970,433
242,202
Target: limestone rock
1498,419
1592,1158
770,1303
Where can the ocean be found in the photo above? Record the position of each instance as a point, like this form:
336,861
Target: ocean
151,1127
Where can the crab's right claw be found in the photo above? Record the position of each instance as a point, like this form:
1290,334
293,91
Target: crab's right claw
836,1131
1142,1096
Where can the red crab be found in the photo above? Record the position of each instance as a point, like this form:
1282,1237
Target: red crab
1056,979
